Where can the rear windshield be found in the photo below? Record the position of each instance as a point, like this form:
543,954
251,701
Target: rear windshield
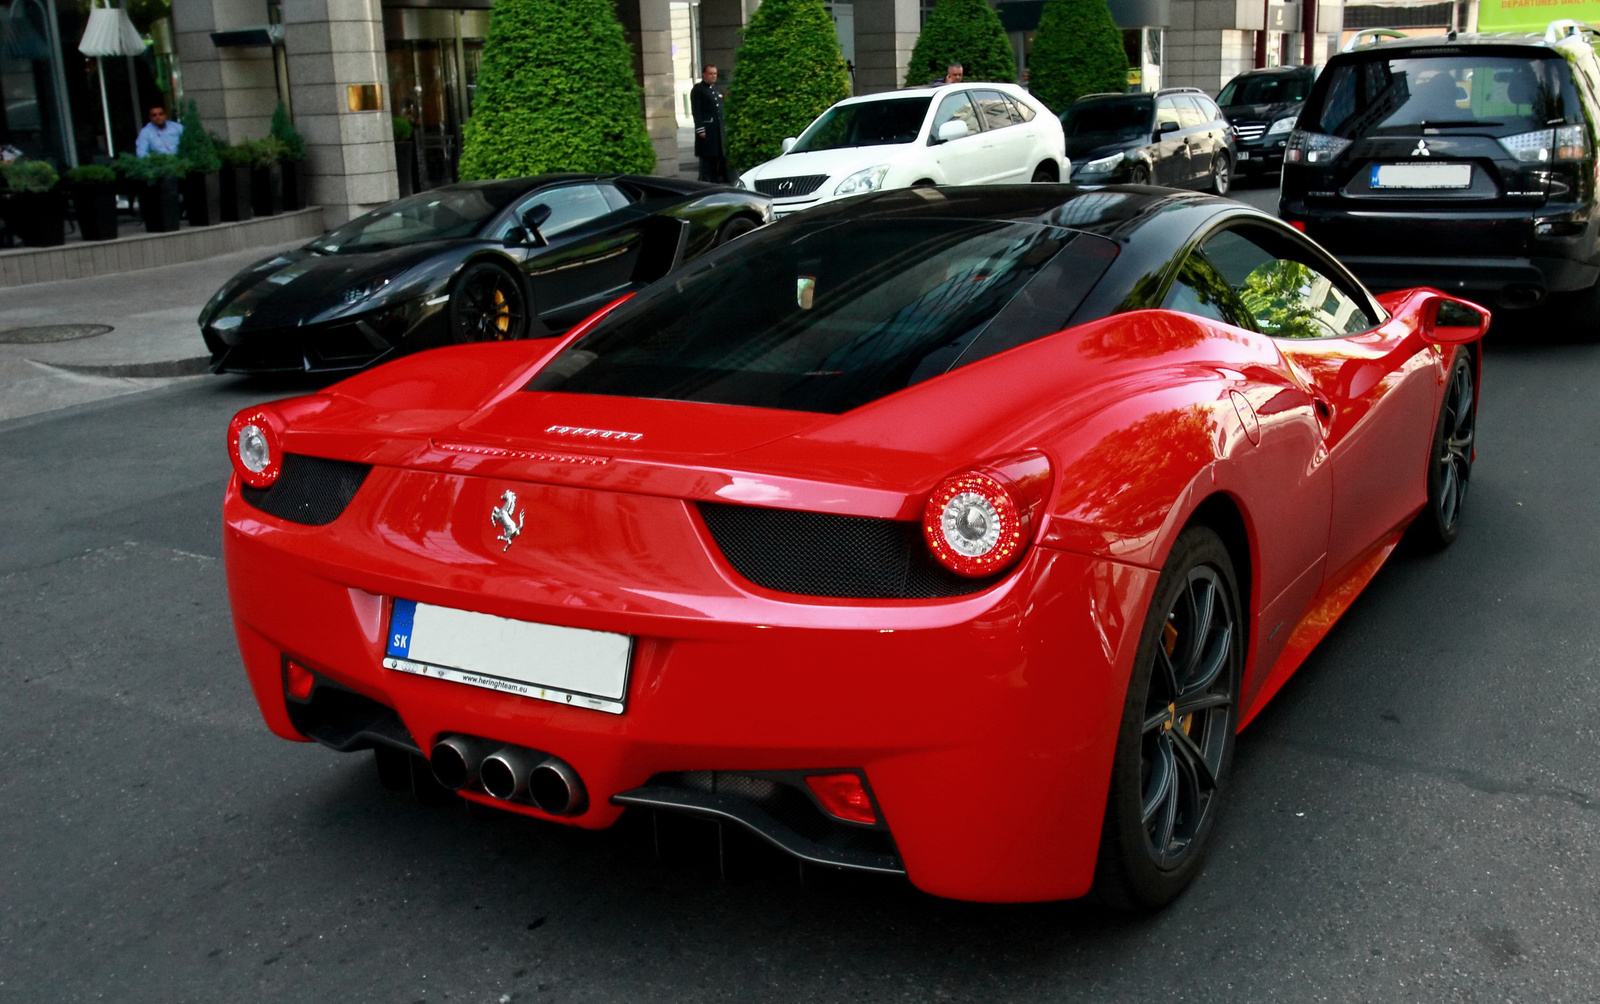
1110,119
871,123
1494,95
829,316
1265,89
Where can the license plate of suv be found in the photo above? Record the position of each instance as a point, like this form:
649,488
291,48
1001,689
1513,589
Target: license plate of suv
1421,176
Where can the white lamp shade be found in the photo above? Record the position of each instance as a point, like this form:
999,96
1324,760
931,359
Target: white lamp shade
110,33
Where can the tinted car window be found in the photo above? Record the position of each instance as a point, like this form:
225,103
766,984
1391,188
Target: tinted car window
570,206
1112,119
834,315
994,108
1166,111
1207,107
1501,95
871,123
1021,111
1286,292
1201,290
1265,89
955,107
1189,114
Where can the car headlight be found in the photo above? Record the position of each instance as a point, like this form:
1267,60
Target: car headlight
352,295
1102,165
1282,125
863,181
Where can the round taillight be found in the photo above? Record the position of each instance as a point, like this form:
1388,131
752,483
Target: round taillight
253,448
973,525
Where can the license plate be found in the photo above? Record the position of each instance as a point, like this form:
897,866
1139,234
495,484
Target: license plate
1244,154
1421,176
585,669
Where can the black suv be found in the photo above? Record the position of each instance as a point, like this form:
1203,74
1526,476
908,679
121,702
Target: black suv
1176,137
1263,106
1466,163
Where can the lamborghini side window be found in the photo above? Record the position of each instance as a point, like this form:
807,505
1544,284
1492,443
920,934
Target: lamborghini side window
571,206
1200,290
1286,290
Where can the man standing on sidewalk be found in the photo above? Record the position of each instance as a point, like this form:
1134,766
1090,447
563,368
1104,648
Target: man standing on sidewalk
158,135
705,101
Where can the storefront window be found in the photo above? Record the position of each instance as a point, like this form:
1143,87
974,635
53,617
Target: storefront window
30,116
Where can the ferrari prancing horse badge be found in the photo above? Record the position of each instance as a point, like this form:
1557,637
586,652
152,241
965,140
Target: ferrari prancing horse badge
507,518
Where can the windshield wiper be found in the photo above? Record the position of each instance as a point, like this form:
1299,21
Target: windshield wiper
1447,123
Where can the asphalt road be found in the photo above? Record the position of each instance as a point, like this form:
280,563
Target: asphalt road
1414,817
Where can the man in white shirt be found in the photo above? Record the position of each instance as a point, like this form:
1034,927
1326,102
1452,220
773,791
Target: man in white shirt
158,135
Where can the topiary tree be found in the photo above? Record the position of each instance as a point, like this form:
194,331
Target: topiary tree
968,32
284,132
195,144
1077,50
555,93
788,71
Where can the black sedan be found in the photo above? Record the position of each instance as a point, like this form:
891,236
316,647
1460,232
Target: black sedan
479,261
1175,137
1262,106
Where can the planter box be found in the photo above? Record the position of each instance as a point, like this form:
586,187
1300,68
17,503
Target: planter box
405,163
39,218
266,190
202,199
161,205
294,185
235,189
96,206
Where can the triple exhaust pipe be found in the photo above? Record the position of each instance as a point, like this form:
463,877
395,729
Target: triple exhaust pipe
509,773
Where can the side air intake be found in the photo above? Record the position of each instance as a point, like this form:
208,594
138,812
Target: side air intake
311,490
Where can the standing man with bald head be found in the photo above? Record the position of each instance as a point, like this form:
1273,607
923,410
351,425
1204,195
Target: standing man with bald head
705,102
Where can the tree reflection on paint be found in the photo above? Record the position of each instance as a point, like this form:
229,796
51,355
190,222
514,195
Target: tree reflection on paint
1127,482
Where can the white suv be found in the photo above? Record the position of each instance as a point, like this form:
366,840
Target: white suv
954,134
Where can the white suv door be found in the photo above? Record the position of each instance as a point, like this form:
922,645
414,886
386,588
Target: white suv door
1010,145
964,161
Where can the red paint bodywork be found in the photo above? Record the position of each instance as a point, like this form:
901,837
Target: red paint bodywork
985,723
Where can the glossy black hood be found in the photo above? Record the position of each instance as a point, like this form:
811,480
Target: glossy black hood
306,287
1268,113
1081,151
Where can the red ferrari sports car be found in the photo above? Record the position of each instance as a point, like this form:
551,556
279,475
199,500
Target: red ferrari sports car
952,533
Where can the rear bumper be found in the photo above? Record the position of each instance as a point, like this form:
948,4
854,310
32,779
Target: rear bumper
1489,278
984,724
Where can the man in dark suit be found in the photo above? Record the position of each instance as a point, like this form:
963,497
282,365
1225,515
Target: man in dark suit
705,101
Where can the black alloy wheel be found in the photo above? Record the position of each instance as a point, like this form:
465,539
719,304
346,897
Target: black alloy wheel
1140,175
1450,461
487,305
1045,172
736,227
1221,174
1177,734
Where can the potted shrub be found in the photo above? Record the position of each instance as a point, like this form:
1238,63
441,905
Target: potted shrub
235,180
159,177
405,156
266,176
94,199
34,208
202,186
293,162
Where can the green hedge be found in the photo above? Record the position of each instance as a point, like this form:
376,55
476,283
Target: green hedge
788,71
966,32
555,93
283,130
196,145
1077,50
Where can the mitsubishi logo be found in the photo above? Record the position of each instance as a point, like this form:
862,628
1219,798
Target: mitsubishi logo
1422,149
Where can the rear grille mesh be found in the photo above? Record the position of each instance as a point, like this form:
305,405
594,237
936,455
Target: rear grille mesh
821,554
1249,130
309,490
791,188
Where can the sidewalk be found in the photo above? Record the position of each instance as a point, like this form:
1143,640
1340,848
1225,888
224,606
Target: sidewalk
154,338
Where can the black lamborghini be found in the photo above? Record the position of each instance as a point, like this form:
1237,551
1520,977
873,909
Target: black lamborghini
479,261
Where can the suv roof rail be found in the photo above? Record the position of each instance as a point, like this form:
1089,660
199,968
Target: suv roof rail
1100,94
1177,90
1566,28
1370,36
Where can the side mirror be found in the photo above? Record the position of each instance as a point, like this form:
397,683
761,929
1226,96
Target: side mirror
1166,127
789,142
953,129
1449,321
535,218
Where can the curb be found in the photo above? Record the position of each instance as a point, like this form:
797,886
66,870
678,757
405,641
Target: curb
172,368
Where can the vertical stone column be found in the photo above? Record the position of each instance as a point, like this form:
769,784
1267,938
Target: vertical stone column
235,89
721,30
886,32
333,45
1210,41
648,24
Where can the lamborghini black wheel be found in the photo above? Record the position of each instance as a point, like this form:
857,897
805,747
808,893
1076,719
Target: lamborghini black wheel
487,305
736,227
